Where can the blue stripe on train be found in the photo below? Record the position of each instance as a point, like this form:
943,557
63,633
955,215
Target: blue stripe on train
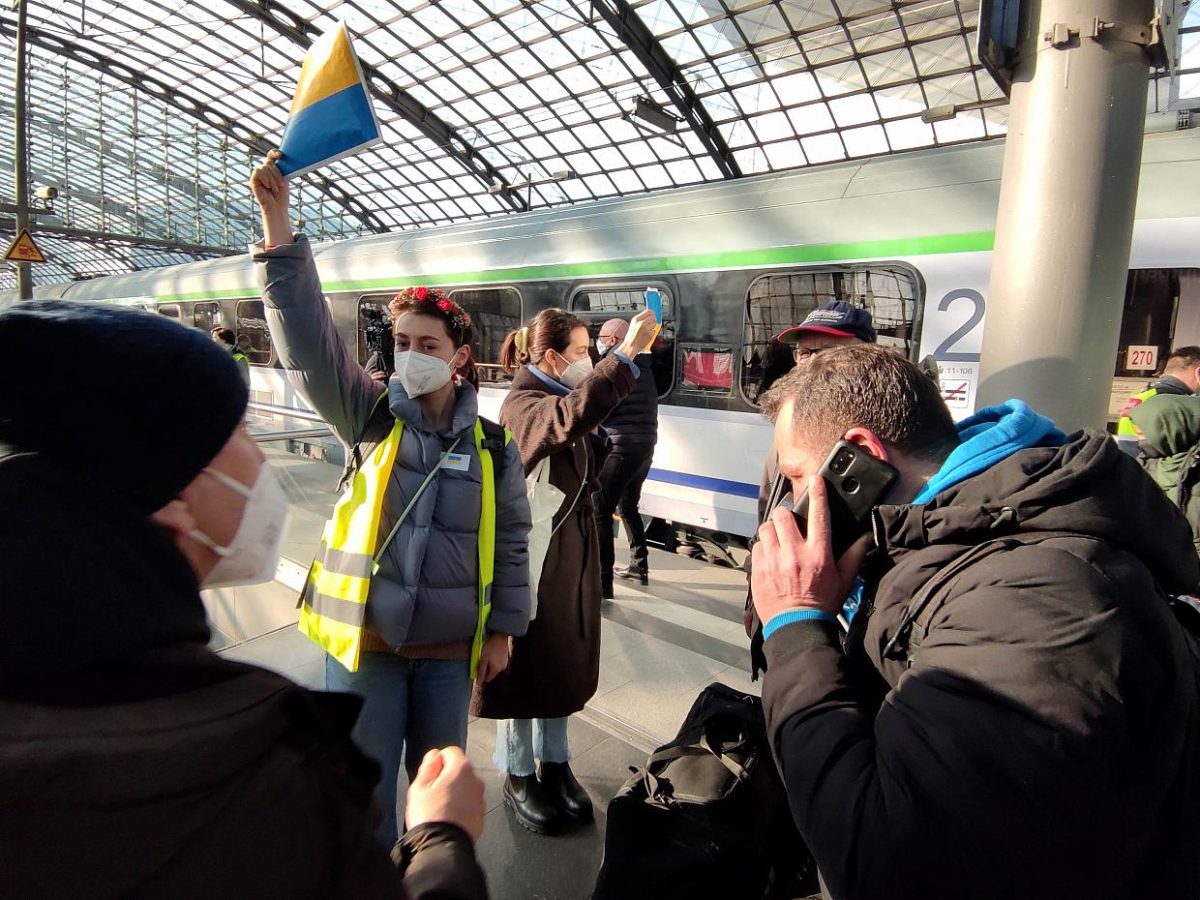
704,483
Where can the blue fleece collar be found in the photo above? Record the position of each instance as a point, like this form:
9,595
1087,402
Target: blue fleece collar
555,385
989,436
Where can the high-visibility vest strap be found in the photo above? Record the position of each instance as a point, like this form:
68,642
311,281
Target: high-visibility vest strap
1125,426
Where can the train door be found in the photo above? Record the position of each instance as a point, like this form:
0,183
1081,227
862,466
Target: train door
1161,314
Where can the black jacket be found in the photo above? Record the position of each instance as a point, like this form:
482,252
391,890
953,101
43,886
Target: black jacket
136,763
1036,732
634,423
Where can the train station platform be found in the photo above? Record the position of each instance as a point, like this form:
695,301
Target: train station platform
660,645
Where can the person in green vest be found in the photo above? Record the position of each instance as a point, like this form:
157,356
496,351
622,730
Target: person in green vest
422,579
1180,377
225,337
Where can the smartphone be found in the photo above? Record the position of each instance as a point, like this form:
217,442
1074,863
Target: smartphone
856,482
654,303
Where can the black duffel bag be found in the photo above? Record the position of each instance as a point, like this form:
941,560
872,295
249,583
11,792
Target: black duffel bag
707,816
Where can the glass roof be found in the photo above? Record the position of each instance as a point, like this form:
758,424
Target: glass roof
149,115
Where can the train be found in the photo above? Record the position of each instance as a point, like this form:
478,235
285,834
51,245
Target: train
907,236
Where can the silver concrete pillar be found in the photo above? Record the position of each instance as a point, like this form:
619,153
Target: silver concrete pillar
21,166
1071,163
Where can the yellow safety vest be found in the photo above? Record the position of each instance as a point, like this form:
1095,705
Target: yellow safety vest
333,603
1125,426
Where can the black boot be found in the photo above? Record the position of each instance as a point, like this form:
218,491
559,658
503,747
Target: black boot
535,808
633,572
606,589
562,787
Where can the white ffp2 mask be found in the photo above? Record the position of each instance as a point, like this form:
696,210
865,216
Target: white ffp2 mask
421,373
253,554
577,371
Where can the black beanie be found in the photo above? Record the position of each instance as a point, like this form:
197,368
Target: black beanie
127,398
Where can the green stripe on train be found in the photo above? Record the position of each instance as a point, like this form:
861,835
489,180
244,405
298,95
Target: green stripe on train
737,259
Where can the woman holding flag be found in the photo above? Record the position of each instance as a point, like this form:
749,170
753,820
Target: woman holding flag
422,578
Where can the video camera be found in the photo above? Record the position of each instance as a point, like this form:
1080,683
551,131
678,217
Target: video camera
377,335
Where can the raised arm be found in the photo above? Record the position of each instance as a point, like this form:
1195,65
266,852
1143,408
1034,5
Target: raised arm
317,361
542,424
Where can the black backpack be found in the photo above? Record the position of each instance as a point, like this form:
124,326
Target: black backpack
707,816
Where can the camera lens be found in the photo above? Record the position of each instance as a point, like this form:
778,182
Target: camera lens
850,485
841,462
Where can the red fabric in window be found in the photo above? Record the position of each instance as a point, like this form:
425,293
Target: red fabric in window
708,368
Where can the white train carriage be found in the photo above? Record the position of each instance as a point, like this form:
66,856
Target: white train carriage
907,236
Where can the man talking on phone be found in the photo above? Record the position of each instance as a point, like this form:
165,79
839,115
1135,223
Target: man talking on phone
1014,711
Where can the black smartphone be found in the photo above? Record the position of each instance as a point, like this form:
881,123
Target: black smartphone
856,482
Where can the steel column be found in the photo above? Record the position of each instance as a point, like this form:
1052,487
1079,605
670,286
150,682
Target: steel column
1067,198
21,152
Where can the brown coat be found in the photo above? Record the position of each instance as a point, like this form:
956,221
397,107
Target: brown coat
556,665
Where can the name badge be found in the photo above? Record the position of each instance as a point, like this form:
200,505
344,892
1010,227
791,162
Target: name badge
458,462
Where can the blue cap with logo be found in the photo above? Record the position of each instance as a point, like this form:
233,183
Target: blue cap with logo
837,318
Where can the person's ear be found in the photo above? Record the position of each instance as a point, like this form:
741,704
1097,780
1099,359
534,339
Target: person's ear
867,441
176,517
460,358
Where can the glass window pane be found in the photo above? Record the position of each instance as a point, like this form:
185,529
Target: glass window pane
494,313
252,335
779,301
171,311
206,316
376,348
707,370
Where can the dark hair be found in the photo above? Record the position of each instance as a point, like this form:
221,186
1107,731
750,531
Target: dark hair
224,334
865,386
436,303
1183,358
549,330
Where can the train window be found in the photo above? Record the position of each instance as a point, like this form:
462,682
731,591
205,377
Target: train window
252,335
171,311
597,303
890,292
375,344
206,316
494,313
707,370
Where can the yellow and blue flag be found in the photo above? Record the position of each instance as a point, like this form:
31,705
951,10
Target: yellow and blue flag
331,115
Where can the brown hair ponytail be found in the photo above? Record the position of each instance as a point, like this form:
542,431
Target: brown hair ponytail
548,330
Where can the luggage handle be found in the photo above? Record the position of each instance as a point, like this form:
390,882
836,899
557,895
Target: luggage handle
704,746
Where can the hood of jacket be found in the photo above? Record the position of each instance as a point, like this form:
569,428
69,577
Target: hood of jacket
1085,485
88,579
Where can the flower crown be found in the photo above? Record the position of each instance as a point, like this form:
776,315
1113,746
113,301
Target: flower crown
458,317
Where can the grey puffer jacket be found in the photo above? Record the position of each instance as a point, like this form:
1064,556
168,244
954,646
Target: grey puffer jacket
426,589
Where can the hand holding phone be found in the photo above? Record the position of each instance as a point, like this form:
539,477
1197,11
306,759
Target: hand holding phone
856,482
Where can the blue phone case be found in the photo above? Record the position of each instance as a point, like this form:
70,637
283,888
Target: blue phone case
654,304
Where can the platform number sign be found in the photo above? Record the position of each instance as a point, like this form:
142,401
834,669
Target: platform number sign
1141,357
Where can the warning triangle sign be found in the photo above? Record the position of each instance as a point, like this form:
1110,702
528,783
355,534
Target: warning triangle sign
23,249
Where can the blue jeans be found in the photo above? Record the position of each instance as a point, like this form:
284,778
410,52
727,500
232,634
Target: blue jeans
519,742
410,706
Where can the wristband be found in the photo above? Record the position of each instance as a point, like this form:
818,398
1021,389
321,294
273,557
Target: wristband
787,617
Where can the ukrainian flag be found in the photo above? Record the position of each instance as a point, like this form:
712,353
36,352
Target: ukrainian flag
331,115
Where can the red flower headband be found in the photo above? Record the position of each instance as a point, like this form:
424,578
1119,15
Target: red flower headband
458,317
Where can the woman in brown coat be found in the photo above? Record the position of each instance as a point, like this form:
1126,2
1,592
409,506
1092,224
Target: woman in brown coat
557,400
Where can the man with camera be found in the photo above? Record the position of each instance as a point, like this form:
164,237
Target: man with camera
1014,711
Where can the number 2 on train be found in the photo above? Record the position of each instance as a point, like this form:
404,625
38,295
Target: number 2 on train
943,351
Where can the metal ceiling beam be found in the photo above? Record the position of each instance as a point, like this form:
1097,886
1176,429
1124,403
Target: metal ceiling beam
114,241
302,32
185,103
641,41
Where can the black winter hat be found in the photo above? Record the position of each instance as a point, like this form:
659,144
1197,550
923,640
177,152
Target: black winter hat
127,398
